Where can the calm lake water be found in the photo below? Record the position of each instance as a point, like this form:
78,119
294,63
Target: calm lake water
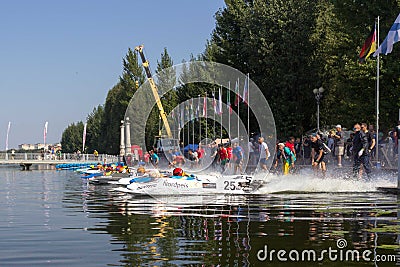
53,218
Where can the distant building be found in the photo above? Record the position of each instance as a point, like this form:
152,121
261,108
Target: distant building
37,146
26,147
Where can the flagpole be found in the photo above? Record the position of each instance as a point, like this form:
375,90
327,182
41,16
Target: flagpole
220,127
214,113
377,97
238,109
176,124
45,135
193,133
220,111
248,106
192,119
229,111
199,117
171,121
8,132
183,125
205,115
84,138
188,125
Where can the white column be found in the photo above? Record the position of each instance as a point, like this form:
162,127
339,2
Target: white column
122,144
128,146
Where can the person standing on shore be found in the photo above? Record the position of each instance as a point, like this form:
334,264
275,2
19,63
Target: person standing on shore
360,151
396,135
223,157
369,132
297,147
286,156
238,152
229,150
372,139
264,153
339,144
290,143
306,149
317,154
154,158
251,149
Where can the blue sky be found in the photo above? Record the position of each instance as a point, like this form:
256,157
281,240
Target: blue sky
58,59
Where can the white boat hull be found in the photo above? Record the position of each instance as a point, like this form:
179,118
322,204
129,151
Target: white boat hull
202,184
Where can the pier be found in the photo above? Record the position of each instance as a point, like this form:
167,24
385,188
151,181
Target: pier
26,160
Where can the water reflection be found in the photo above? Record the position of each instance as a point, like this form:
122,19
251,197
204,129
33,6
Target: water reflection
229,230
50,216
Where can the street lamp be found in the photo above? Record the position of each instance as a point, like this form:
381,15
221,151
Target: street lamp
318,95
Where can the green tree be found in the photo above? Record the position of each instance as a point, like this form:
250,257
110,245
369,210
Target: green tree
94,130
350,94
291,47
189,89
71,139
117,101
270,40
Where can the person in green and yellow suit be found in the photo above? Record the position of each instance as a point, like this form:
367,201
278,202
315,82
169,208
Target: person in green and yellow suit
286,156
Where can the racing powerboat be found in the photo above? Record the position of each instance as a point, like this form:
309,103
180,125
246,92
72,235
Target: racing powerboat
192,185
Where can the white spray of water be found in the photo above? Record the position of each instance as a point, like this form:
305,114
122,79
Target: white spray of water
308,182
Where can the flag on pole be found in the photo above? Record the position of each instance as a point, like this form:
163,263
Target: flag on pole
187,113
191,109
228,99
178,117
215,103
205,107
45,133
198,108
220,101
369,46
182,116
8,132
246,89
84,137
393,37
237,94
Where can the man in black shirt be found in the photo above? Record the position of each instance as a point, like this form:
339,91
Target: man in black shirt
370,136
360,151
306,148
396,135
317,154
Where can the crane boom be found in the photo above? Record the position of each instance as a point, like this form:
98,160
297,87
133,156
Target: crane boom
154,90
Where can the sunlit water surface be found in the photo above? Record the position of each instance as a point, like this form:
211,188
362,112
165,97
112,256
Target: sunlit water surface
54,218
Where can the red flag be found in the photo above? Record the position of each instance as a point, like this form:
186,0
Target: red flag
369,46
